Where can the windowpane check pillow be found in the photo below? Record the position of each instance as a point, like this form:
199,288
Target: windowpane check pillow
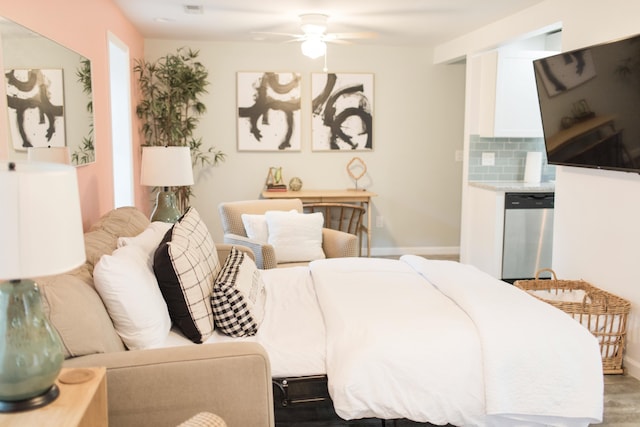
238,296
186,265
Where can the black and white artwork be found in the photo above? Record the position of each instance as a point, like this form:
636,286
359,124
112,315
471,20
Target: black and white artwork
342,111
268,111
35,100
564,72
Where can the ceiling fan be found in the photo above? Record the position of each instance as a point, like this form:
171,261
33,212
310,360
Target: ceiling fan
314,37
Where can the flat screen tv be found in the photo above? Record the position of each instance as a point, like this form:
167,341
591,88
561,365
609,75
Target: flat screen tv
590,105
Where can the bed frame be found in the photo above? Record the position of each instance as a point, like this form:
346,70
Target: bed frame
306,399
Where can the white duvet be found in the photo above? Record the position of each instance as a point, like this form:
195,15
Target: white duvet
441,342
430,341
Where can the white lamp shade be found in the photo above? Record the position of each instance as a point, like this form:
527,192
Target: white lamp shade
40,220
166,166
49,155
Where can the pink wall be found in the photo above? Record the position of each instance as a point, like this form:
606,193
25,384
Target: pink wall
82,26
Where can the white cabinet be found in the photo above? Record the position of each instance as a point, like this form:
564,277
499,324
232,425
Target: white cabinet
508,95
483,239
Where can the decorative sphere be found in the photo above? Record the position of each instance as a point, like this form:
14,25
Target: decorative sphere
295,184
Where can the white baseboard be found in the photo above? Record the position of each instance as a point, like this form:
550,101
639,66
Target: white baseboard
415,250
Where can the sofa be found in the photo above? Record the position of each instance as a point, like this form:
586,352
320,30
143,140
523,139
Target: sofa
154,386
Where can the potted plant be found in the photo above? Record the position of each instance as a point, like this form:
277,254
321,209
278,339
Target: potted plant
170,107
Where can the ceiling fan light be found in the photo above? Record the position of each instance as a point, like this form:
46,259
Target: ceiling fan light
313,48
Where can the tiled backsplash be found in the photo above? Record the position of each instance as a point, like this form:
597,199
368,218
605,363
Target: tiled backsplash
510,155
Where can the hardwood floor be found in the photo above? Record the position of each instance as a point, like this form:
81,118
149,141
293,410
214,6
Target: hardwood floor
621,401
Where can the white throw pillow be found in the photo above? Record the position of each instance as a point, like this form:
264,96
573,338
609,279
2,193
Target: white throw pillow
296,237
256,227
130,293
149,239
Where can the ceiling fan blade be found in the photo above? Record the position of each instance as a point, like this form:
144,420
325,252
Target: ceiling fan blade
268,33
338,41
360,35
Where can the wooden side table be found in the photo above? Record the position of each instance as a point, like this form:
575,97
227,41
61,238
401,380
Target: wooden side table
363,198
82,403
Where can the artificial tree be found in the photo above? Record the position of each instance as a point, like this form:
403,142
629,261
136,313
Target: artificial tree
170,107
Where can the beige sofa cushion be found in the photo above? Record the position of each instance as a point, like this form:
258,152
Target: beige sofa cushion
102,237
77,313
71,301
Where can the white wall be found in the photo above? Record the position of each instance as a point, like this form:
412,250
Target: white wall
418,126
596,226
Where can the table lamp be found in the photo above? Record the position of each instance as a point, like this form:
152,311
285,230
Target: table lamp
166,167
49,155
41,229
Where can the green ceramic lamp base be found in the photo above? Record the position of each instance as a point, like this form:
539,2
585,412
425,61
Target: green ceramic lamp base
31,353
31,403
166,209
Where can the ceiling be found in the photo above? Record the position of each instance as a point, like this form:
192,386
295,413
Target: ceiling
394,22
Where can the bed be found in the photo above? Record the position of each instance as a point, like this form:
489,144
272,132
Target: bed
426,340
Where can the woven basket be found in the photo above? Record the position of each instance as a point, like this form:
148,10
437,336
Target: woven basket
604,314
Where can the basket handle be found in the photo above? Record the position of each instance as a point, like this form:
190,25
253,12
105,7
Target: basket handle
602,300
553,273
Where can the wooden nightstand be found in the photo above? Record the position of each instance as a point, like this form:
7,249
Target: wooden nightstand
82,403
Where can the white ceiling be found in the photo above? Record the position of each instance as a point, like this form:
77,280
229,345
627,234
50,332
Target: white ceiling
395,22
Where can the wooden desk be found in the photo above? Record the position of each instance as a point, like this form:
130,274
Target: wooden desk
363,198
78,405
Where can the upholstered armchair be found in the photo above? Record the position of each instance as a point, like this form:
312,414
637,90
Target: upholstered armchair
335,243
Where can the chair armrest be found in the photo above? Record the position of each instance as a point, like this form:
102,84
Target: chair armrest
264,253
223,250
165,386
337,244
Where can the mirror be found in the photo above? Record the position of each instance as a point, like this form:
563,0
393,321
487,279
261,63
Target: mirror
48,90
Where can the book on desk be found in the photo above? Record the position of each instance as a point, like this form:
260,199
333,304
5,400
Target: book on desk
276,187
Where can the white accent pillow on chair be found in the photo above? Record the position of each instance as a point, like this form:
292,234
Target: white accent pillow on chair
255,225
296,237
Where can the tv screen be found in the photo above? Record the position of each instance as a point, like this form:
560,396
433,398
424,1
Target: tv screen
590,105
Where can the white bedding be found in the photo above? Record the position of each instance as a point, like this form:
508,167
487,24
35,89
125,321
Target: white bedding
292,331
441,342
395,347
430,341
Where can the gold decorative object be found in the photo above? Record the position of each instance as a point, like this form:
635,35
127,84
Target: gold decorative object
356,169
295,184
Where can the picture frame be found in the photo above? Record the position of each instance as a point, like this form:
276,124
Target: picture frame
342,111
35,103
268,111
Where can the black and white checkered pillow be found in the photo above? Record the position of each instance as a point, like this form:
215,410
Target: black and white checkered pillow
238,296
186,265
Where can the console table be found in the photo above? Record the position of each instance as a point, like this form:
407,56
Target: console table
363,198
